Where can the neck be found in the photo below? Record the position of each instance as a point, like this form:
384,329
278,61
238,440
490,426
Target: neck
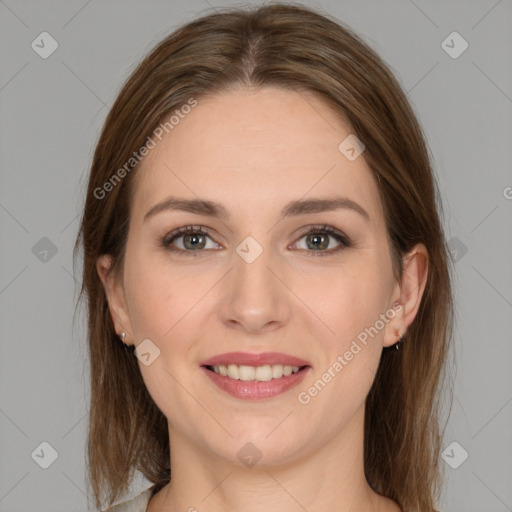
326,477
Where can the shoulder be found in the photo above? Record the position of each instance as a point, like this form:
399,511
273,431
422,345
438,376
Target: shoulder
138,503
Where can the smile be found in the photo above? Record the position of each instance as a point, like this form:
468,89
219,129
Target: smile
258,373
255,382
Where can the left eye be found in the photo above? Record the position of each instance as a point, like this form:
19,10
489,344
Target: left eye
195,238
317,238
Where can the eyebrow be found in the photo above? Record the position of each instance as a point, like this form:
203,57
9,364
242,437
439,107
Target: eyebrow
292,209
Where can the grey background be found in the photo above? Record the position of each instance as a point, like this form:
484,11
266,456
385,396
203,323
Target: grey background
51,114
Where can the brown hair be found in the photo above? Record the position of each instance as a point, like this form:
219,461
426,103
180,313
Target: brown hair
296,48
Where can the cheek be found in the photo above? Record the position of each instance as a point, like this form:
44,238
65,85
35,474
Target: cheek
152,303
345,372
160,295
163,305
348,299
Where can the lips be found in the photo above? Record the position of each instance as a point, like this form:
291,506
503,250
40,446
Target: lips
255,390
248,359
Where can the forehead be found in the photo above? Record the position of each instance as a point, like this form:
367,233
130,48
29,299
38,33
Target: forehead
240,147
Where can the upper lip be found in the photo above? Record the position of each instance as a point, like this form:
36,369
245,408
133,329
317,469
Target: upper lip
248,359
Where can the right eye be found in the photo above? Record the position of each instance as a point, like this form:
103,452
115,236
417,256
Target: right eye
194,239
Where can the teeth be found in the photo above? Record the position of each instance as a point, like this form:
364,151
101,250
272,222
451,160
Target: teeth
259,373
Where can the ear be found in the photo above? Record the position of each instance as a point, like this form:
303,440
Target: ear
114,292
408,293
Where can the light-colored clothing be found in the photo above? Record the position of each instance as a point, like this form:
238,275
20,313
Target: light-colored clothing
138,503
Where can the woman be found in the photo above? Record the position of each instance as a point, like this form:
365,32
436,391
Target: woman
261,231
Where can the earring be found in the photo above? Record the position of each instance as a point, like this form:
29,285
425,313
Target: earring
396,332
123,337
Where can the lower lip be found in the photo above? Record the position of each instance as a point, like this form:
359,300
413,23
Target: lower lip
253,390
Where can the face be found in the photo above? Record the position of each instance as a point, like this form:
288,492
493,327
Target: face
309,284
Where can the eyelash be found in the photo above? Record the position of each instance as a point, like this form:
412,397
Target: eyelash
345,242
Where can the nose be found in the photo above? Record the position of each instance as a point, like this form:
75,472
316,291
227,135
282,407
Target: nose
256,297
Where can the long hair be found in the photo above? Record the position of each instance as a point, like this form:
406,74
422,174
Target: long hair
295,48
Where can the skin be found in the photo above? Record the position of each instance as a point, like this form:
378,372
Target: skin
254,151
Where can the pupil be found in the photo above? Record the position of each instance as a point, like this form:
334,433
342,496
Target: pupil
195,238
317,237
